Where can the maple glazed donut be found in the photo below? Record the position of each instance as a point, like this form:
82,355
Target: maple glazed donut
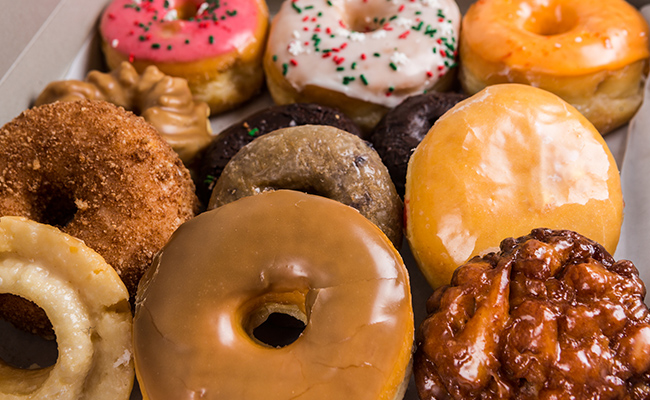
320,160
99,173
216,45
509,159
225,271
363,57
87,304
592,53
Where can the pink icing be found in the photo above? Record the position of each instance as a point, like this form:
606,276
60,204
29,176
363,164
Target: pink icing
145,29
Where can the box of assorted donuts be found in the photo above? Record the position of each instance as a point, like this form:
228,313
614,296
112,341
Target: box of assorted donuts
324,199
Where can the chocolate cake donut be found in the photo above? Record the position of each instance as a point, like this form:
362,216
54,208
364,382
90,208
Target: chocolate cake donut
550,316
214,158
404,127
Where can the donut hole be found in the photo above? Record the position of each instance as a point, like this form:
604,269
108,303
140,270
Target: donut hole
365,19
276,325
554,19
186,10
58,208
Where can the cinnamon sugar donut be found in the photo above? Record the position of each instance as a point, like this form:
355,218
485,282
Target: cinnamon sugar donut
99,173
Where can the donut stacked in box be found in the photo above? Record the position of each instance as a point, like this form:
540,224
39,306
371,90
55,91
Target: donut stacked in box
266,259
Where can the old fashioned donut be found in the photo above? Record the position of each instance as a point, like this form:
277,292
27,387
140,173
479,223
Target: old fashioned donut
320,160
216,45
401,130
551,315
89,308
363,57
163,101
592,53
225,271
227,143
509,159
99,173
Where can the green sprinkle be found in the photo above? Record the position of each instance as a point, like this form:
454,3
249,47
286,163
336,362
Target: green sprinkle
155,46
393,66
348,79
209,179
275,57
211,39
418,27
418,13
308,7
169,47
253,132
354,65
166,4
392,18
187,41
329,3
435,50
320,14
340,68
285,68
142,38
363,79
391,88
231,13
295,7
376,54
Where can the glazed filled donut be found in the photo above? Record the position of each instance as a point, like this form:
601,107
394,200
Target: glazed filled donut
401,130
99,173
284,252
507,160
592,53
87,304
217,46
361,56
551,315
320,160
225,145
163,101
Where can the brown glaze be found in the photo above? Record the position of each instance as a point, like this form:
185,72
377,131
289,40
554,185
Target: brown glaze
551,316
163,101
286,250
320,160
99,173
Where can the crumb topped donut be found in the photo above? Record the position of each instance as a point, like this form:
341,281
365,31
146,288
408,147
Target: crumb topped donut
216,45
361,56
592,53
551,315
99,173
222,274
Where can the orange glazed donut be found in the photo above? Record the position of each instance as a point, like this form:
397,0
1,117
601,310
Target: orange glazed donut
216,45
592,53
507,160
285,252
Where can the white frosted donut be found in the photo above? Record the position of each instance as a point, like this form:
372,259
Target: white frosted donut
354,53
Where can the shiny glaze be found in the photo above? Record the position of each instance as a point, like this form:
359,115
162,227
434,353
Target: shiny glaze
302,251
381,51
558,37
551,316
165,102
147,30
507,160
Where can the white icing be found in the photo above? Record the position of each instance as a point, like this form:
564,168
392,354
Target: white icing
402,47
172,15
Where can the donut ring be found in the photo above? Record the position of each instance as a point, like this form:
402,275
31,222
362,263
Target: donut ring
404,127
100,173
591,53
281,250
315,159
225,145
163,101
87,304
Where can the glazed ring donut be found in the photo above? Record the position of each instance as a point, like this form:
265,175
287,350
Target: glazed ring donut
401,130
592,53
87,304
281,252
363,57
225,145
320,160
217,46
163,101
509,159
99,173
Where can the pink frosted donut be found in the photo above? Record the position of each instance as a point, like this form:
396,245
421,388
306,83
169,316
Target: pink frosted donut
216,45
